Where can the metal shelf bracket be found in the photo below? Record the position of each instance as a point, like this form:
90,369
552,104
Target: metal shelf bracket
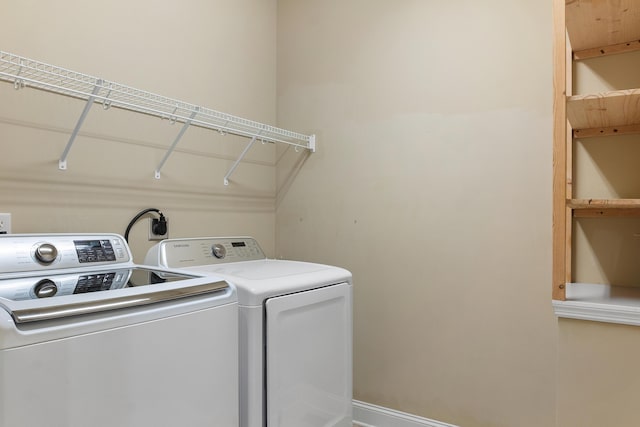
62,163
237,162
186,125
312,143
18,83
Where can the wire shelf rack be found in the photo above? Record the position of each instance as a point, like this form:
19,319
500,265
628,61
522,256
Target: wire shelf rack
24,72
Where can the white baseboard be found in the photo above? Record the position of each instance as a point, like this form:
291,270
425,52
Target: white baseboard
368,415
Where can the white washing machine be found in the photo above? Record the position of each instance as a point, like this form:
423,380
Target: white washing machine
87,338
295,330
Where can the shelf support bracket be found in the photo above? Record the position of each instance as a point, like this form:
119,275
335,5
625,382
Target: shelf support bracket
18,83
237,162
175,141
312,143
62,163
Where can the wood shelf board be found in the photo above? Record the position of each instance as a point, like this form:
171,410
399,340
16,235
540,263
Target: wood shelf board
604,204
596,52
598,23
606,109
607,213
606,131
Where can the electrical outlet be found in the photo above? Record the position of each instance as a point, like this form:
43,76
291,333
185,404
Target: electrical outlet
5,223
152,234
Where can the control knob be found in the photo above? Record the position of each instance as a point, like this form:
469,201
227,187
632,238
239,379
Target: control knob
218,251
46,253
45,288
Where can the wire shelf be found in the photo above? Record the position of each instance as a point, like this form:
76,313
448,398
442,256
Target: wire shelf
24,72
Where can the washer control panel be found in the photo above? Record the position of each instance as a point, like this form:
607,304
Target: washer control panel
32,252
178,253
26,288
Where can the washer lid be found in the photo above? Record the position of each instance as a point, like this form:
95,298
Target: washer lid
71,293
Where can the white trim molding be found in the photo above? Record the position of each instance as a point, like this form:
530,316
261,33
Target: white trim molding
368,415
600,303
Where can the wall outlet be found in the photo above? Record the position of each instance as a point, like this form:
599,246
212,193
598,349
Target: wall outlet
5,223
152,234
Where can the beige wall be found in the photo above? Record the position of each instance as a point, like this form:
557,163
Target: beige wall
598,379
218,54
432,184
432,181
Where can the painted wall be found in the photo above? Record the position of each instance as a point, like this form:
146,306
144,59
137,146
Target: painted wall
219,54
432,184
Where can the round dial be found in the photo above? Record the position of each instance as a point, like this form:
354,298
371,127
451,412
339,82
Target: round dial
46,253
45,288
218,251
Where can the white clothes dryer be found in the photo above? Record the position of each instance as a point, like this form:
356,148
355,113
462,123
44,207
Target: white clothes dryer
87,338
295,330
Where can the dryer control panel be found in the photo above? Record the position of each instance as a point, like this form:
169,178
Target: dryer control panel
179,253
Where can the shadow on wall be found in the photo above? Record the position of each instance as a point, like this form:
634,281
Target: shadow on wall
288,166
607,167
607,73
609,251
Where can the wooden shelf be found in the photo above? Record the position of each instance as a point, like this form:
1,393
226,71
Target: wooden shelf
604,203
606,109
599,23
597,208
613,49
607,130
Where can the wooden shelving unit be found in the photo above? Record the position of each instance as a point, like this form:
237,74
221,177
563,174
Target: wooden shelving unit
586,29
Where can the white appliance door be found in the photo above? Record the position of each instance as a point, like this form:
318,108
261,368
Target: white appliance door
175,371
309,358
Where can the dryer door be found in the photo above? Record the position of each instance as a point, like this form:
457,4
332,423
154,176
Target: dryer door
309,358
